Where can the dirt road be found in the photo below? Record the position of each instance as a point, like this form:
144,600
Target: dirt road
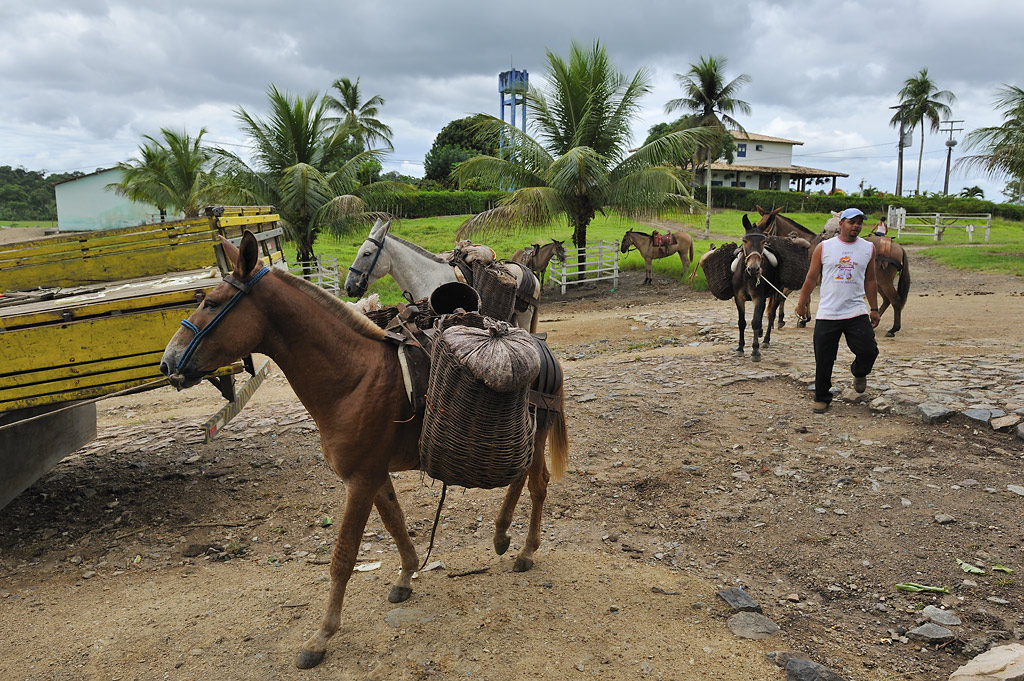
149,554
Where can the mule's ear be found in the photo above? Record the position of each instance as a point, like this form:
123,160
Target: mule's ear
387,227
760,210
248,255
230,250
746,223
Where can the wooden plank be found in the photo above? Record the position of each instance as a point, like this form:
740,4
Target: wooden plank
80,369
135,297
82,245
245,220
91,392
231,409
106,268
72,384
90,340
68,240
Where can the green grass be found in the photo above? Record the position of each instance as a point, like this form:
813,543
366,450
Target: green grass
29,223
982,257
1004,252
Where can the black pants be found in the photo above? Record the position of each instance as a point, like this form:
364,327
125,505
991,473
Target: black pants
860,338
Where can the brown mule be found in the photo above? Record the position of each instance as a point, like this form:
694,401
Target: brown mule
350,381
644,243
537,257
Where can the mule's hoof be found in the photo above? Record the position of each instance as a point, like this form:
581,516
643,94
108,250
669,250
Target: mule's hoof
890,334
522,564
801,325
501,544
399,594
765,343
755,358
738,351
780,325
308,660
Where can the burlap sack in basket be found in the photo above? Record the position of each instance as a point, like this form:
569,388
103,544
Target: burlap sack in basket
477,430
718,270
794,260
497,288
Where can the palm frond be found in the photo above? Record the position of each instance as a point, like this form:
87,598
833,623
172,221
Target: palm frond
533,206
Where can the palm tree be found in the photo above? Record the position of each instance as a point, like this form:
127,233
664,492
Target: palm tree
293,150
360,118
974,192
920,101
580,162
712,102
1002,146
174,174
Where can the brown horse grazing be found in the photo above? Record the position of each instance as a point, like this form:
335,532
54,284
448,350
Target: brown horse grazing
537,257
892,268
752,269
350,381
650,247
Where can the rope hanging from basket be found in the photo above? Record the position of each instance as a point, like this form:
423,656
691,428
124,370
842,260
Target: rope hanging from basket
437,518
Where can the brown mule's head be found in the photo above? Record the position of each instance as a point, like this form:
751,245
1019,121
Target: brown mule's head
225,327
753,248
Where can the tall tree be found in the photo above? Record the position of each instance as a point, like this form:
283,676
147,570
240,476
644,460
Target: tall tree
359,118
456,142
176,174
712,101
921,101
579,163
1001,148
293,150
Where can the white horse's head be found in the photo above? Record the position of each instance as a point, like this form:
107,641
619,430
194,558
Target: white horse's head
371,262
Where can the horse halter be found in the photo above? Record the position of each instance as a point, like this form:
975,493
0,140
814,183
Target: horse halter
364,277
243,288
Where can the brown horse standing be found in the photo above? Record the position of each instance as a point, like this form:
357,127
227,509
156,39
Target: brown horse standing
537,257
649,250
350,381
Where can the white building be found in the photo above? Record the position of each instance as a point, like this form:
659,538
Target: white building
85,203
764,162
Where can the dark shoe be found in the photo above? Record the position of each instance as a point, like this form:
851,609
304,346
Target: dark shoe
820,407
860,383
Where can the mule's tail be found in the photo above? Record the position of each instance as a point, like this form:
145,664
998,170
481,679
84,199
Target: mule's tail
558,442
691,252
903,286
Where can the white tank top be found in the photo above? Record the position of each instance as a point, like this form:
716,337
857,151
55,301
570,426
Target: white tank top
843,267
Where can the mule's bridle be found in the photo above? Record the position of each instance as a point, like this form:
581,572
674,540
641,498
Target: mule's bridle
243,288
364,277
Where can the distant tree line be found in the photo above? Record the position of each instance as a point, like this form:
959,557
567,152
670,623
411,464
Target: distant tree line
29,194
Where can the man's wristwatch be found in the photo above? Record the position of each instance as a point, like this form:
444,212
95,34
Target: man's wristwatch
874,309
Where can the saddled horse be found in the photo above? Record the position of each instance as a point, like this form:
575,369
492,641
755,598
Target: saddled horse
350,380
892,269
752,269
418,272
652,246
537,257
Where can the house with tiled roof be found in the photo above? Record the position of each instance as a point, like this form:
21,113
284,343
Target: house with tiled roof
764,162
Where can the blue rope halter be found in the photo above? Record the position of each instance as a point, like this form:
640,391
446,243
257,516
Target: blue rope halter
243,288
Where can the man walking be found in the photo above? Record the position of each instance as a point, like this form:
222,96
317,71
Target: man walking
846,265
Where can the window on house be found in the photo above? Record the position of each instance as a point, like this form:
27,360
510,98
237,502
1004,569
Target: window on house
741,149
758,147
716,183
739,184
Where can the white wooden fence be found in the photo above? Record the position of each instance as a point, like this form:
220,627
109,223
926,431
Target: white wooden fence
936,223
600,263
322,271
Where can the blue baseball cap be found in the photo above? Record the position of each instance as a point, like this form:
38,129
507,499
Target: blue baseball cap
851,213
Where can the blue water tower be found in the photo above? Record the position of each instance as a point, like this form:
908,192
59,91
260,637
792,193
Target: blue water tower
512,86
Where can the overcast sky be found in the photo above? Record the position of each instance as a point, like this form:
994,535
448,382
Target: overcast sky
82,80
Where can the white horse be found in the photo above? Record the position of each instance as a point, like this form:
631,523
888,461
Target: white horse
418,272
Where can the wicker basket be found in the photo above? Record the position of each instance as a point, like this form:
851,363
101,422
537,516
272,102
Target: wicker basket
794,260
718,271
472,435
497,289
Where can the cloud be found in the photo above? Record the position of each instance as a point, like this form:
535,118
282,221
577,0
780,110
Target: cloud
82,80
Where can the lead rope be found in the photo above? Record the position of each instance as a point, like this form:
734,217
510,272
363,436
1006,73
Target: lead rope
437,517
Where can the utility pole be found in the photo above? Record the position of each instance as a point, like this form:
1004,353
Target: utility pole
950,143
